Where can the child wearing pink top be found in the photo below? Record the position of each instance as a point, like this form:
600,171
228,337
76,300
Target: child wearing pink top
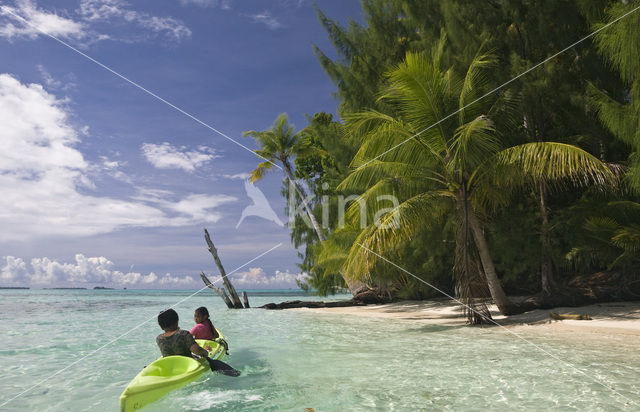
204,329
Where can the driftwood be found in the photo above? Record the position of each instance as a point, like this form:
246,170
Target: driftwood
561,316
292,304
219,291
364,298
245,299
227,283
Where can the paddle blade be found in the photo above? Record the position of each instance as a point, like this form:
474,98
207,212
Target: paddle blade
223,368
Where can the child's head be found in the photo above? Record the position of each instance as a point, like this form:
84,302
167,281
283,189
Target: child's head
201,314
168,320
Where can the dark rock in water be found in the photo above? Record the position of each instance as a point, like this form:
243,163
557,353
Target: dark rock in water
367,297
291,304
370,297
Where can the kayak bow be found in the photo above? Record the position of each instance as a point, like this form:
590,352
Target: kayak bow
165,375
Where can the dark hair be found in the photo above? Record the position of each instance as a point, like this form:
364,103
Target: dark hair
167,318
202,311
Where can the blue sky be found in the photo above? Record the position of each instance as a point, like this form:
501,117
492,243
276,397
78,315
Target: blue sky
102,184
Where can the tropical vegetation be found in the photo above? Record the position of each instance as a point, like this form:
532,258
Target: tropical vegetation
473,153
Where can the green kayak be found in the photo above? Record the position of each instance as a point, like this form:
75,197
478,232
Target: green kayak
166,374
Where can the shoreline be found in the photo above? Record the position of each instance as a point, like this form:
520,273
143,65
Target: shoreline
608,319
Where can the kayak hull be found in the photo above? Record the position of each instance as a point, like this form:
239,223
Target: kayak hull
165,375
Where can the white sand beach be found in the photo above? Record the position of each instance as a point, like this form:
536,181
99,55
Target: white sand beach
618,319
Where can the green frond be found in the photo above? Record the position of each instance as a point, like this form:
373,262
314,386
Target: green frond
424,95
391,142
258,172
627,238
372,172
473,142
475,83
601,228
555,162
620,42
361,123
377,197
624,211
395,227
617,117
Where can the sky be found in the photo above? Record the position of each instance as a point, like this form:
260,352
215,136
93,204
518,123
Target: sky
103,183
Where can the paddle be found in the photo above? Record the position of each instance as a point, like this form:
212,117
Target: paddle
223,368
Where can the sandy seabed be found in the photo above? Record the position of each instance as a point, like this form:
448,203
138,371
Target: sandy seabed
620,320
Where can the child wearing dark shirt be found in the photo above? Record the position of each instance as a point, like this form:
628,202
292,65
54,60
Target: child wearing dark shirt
175,341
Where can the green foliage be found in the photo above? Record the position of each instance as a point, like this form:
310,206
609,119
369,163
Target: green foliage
619,110
411,69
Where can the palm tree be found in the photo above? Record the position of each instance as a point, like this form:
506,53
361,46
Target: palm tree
280,144
456,169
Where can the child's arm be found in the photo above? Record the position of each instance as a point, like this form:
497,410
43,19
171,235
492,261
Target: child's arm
195,348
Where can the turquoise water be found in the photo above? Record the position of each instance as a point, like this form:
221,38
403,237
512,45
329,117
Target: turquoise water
294,360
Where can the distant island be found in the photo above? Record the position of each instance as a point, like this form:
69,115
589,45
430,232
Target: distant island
13,287
65,288
101,288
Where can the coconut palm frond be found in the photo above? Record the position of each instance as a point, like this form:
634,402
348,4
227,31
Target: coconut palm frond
394,227
424,97
473,142
475,82
557,163
394,142
375,170
259,172
376,198
361,123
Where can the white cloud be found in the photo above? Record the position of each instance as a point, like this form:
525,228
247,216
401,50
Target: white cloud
267,19
117,11
41,172
201,207
30,17
48,79
166,156
223,4
27,20
55,84
256,278
238,176
13,269
112,168
85,271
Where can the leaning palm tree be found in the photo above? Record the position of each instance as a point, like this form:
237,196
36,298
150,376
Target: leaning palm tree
280,144
442,166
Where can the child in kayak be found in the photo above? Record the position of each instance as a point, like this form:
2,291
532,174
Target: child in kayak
204,329
175,341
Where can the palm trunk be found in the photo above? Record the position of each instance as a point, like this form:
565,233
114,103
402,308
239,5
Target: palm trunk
355,286
549,285
303,196
471,285
505,306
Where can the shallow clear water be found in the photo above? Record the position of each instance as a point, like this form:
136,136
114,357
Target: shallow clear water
294,360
